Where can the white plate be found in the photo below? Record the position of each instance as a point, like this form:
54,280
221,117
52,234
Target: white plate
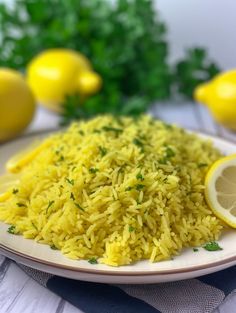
187,265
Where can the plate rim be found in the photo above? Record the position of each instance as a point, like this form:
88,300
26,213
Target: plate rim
74,269
194,268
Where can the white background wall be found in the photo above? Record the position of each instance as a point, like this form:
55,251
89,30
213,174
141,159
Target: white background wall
207,23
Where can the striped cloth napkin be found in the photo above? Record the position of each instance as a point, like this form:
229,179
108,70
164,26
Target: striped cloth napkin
211,293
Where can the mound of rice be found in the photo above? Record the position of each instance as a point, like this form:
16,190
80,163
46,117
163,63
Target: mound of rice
117,191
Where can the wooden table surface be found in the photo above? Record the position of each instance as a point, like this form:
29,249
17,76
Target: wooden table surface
21,294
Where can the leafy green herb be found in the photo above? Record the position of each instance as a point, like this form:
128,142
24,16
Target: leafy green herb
202,165
212,246
193,70
140,176
117,131
139,143
20,205
62,158
195,249
102,150
93,170
79,206
169,152
163,161
15,191
53,247
131,228
70,181
127,89
93,261
12,230
128,188
139,187
141,136
72,196
50,203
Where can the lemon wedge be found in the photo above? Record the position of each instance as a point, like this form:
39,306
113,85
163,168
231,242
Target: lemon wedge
220,189
7,182
24,157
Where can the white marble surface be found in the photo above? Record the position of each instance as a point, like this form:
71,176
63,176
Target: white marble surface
21,294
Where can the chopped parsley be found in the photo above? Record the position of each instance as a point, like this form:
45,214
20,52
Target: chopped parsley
131,228
138,142
139,187
70,181
93,170
202,165
102,150
53,247
15,191
142,137
50,203
139,176
195,249
61,158
121,169
93,261
116,130
169,152
72,196
163,160
212,246
96,131
128,188
79,206
12,230
20,205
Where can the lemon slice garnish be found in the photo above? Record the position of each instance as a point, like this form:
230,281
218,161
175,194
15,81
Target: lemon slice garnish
7,182
24,157
220,189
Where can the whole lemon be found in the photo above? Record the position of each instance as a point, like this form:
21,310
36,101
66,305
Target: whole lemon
57,73
17,104
219,95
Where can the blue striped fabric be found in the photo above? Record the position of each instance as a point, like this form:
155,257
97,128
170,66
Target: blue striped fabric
224,280
206,294
97,298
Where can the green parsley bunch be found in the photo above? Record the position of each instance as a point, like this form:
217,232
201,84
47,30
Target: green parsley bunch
124,39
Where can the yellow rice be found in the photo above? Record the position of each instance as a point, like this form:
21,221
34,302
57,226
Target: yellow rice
116,190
